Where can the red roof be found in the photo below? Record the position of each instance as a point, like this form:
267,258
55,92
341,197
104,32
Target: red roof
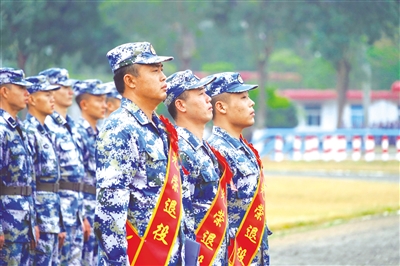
396,86
312,94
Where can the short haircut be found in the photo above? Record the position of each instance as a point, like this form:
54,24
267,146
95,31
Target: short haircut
80,98
223,97
172,108
121,72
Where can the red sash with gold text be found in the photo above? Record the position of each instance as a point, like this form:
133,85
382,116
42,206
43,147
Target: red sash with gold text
212,230
249,235
154,248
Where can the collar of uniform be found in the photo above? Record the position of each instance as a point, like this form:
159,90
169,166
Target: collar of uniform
132,108
85,124
189,137
34,122
9,119
58,118
234,142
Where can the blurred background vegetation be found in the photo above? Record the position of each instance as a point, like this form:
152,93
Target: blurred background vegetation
283,44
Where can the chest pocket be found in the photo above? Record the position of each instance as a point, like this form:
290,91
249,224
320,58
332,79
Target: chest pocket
208,183
70,153
246,180
156,166
18,156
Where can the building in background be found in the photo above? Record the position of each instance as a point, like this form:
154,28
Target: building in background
317,109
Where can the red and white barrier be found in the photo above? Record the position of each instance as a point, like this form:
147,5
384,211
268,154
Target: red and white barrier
278,148
311,148
369,148
327,146
341,148
356,144
398,148
385,148
297,148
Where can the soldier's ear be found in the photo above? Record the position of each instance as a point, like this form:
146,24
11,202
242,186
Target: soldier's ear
180,105
220,107
31,100
3,91
84,104
130,81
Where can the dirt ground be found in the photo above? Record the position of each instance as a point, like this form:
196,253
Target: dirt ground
364,241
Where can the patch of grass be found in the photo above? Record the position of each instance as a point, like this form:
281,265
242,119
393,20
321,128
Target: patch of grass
385,167
294,202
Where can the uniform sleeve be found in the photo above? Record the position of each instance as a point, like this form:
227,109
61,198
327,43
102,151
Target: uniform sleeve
116,165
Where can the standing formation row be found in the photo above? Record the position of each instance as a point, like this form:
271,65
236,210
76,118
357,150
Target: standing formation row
139,190
48,183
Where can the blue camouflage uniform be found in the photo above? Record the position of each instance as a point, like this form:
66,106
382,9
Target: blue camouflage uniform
47,172
242,162
200,170
131,163
67,144
17,215
90,247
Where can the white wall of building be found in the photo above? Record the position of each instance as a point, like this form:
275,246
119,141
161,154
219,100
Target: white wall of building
383,111
380,111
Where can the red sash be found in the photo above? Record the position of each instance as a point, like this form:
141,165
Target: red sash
249,235
212,230
154,248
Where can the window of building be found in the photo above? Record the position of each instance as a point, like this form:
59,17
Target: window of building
357,116
313,114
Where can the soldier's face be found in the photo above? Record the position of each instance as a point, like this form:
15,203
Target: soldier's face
95,106
113,104
240,110
198,106
16,96
150,84
43,101
63,97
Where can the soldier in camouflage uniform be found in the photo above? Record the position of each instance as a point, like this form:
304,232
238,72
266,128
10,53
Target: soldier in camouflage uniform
190,107
47,172
113,97
233,111
17,215
67,143
91,99
131,153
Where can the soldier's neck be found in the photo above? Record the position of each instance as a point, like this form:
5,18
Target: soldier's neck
194,127
92,122
63,111
39,116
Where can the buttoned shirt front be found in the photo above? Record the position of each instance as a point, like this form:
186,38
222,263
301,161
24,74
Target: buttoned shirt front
200,180
67,143
245,169
131,162
45,165
17,216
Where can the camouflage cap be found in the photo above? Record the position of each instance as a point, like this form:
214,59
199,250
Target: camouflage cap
111,90
89,86
134,53
182,81
58,76
40,83
10,75
230,82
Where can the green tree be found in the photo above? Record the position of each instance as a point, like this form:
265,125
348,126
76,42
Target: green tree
40,33
264,25
341,28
